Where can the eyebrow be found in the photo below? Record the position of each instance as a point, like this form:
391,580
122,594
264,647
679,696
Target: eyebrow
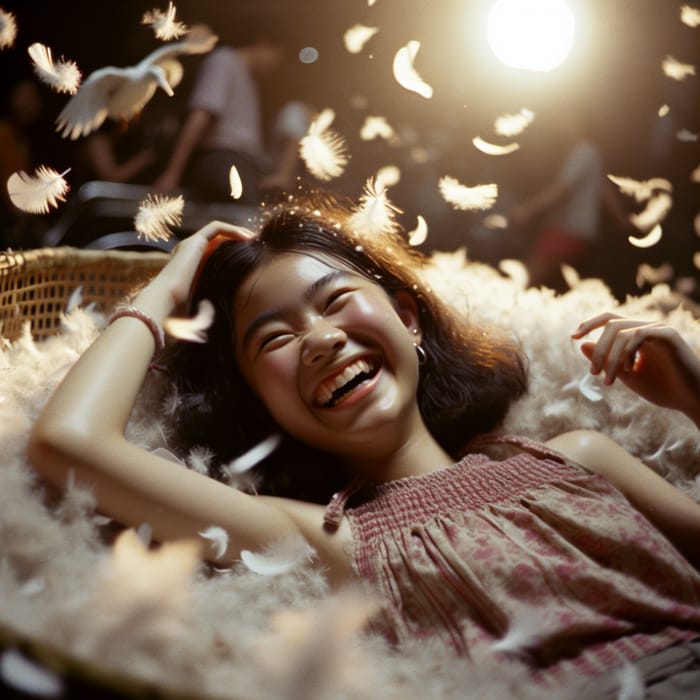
275,313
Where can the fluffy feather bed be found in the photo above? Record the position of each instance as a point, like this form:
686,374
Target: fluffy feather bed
237,634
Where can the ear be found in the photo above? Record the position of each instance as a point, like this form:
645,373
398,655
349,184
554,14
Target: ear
407,309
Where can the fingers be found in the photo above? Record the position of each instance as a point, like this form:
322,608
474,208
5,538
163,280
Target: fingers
617,349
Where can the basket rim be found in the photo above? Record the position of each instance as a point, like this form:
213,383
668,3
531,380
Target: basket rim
41,257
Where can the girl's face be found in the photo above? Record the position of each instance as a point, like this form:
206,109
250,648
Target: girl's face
330,354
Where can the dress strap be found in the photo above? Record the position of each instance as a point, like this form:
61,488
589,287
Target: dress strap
335,510
537,449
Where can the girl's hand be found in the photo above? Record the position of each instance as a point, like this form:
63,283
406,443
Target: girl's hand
652,359
178,274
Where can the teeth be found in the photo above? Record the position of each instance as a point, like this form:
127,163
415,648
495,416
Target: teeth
325,391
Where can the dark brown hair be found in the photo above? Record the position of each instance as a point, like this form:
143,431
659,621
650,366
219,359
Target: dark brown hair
471,376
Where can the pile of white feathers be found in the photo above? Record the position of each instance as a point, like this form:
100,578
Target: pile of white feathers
157,617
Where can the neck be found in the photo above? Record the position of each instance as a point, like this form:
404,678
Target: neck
418,454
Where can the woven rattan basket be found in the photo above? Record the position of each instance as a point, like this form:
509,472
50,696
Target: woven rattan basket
36,284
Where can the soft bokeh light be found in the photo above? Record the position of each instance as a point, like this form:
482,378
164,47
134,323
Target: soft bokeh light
534,35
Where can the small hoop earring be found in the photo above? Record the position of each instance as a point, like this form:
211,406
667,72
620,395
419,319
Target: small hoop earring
422,354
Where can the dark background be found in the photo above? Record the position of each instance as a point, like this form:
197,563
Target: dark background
614,72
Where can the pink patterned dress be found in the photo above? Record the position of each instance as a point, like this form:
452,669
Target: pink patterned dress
533,549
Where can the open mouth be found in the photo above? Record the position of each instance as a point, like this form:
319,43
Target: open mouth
336,388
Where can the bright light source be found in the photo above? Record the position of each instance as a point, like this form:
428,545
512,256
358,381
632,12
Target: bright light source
532,35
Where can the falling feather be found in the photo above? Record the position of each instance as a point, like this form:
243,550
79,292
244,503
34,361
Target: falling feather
323,150
38,193
8,29
655,211
234,179
493,149
218,538
376,127
75,299
311,652
164,24
522,634
690,16
121,93
28,677
646,274
404,72
467,198
513,124
631,684
419,234
641,190
495,221
357,36
62,76
194,329
686,136
675,69
280,558
651,239
375,213
155,214
587,385
663,110
255,454
387,176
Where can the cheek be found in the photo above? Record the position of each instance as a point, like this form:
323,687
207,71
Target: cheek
274,377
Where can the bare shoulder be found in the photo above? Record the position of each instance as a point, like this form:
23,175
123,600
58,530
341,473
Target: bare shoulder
591,449
334,546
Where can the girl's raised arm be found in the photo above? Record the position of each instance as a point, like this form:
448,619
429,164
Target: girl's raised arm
81,431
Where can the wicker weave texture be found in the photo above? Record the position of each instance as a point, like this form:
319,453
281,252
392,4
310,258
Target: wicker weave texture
35,285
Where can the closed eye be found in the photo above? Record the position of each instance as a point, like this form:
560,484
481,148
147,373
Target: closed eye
274,340
337,299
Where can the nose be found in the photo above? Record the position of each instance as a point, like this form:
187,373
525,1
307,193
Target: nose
322,340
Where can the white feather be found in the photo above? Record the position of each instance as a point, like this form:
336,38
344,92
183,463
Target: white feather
687,136
641,190
587,385
495,221
219,539
375,213
38,193
419,234
62,76
513,124
323,150
26,676
676,69
570,275
357,36
376,127
234,179
462,197
631,683
8,29
404,72
655,211
193,329
280,558
387,176
155,214
651,239
522,634
653,275
75,299
164,24
516,271
663,110
493,149
255,454
690,16
121,93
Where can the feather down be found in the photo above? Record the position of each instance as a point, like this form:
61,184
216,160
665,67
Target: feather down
280,558
404,72
62,76
8,29
164,24
323,150
193,329
467,198
155,214
37,194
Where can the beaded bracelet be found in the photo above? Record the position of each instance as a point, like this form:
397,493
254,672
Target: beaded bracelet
152,325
